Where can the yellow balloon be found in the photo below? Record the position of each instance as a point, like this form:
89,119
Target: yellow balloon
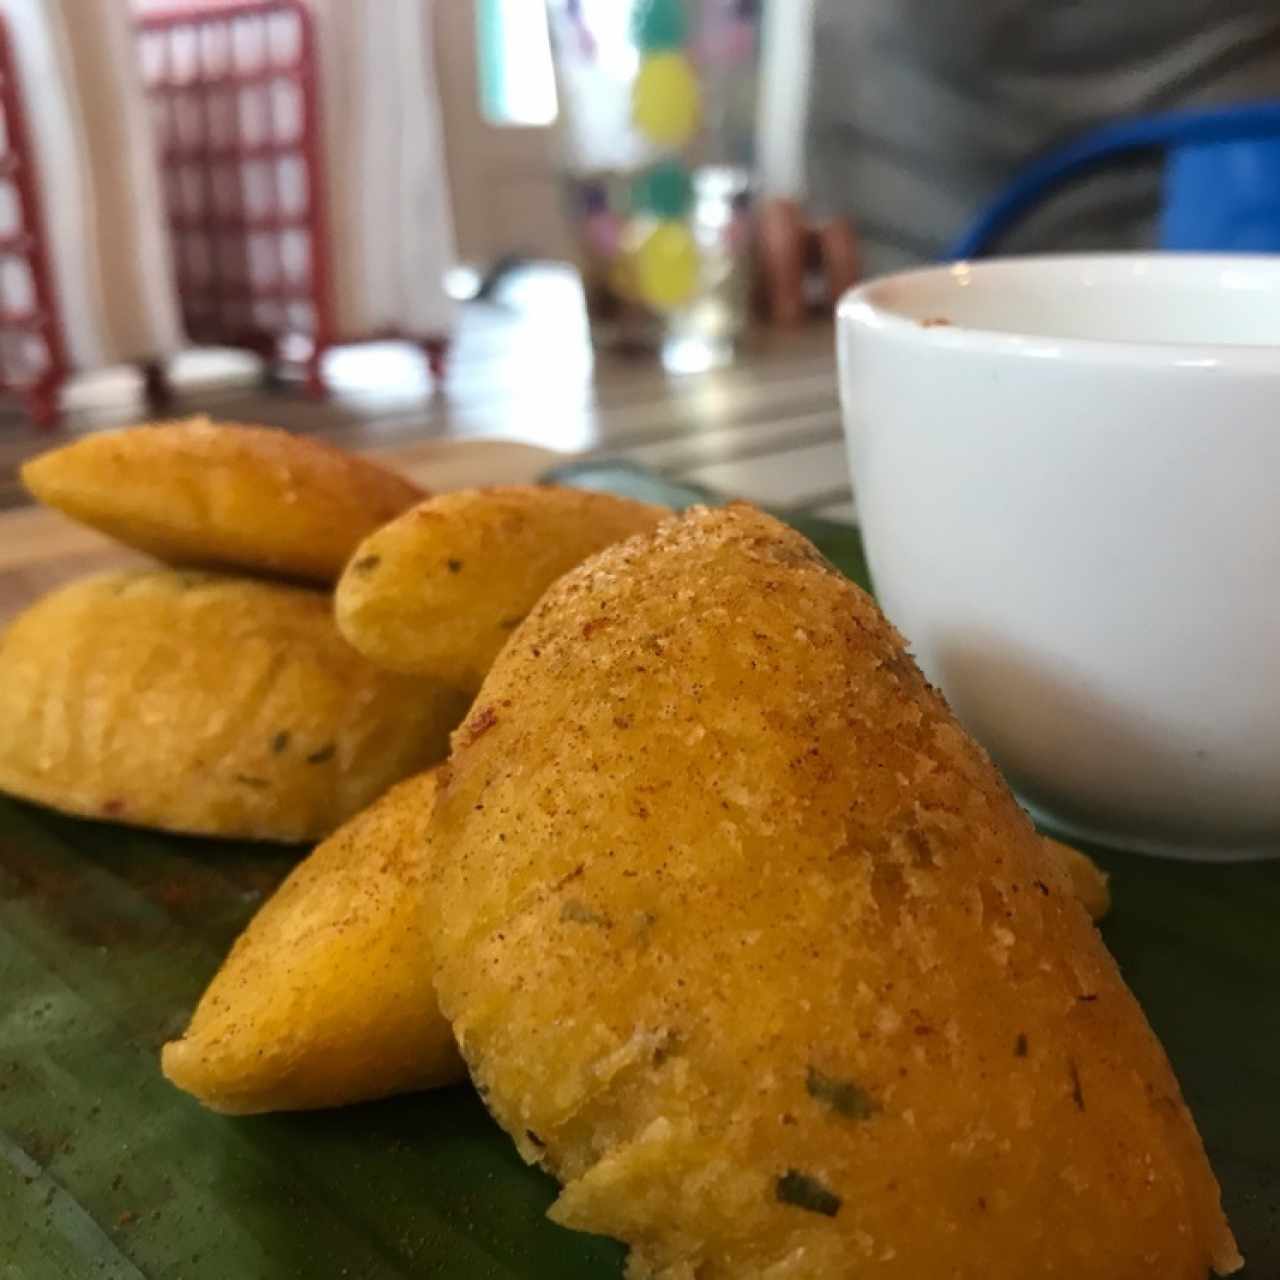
666,104
666,267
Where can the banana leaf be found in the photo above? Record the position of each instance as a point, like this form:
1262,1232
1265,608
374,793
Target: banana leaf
108,936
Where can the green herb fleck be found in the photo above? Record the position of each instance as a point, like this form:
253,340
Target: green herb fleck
579,913
804,1192
533,1137
842,1096
280,742
326,752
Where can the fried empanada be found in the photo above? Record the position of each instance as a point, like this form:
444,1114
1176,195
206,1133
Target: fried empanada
746,941
1088,880
207,704
223,496
438,591
326,997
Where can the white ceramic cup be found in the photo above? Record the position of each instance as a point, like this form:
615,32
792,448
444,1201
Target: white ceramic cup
1068,476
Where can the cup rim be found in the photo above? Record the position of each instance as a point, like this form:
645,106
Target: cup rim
868,306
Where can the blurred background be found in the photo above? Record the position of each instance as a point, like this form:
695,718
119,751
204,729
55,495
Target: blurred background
602,227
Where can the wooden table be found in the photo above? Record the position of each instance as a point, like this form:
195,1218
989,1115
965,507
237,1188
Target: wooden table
523,392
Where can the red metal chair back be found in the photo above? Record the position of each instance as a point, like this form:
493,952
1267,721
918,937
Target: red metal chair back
33,359
234,90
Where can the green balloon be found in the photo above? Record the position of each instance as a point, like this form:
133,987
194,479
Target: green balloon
665,190
659,24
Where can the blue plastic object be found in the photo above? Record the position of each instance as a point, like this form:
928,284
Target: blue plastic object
1223,195
1221,187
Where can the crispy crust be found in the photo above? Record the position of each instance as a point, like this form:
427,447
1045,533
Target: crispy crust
207,704
222,495
439,590
747,942
326,997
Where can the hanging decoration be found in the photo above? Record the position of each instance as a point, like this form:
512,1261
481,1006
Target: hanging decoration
666,266
665,191
658,25
666,102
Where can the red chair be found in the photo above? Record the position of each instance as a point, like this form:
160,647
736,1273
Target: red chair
235,94
33,363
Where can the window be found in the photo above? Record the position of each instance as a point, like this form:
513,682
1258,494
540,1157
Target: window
517,85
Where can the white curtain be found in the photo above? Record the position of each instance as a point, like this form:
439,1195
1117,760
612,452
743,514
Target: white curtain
99,187
389,209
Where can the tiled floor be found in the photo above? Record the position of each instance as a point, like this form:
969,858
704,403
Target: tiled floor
767,428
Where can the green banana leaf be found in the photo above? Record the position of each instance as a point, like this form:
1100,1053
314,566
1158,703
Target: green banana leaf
108,936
